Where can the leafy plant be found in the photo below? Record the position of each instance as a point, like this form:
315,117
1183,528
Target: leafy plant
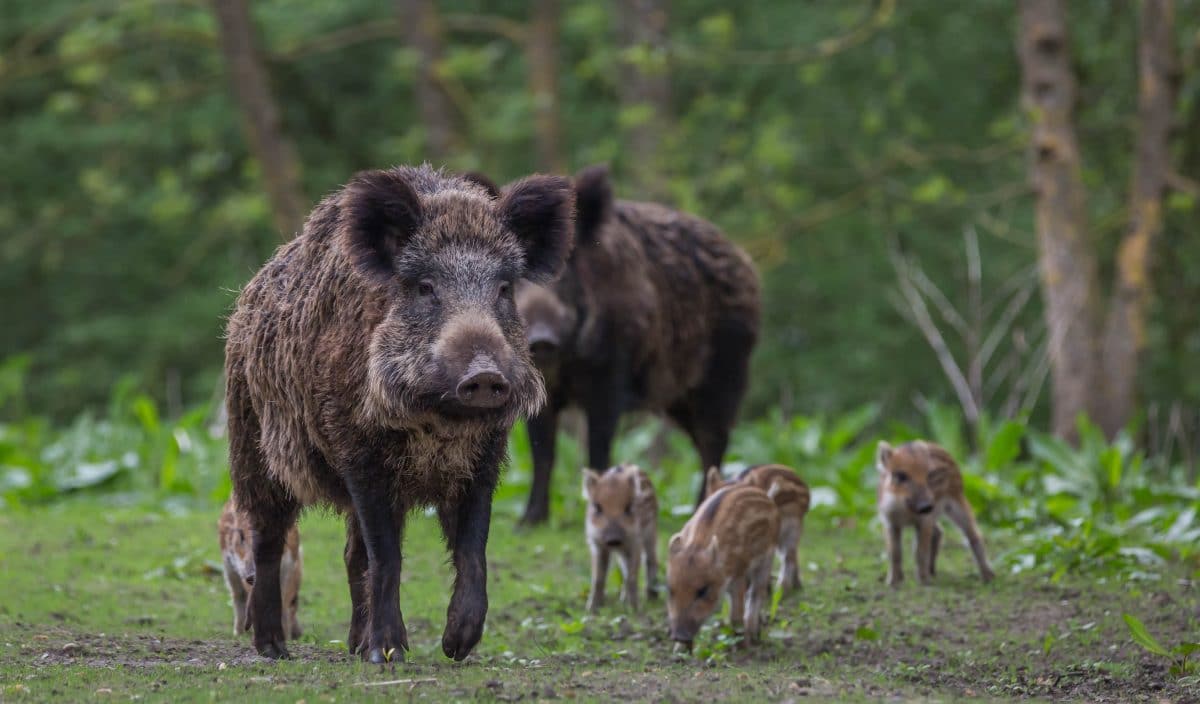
1180,655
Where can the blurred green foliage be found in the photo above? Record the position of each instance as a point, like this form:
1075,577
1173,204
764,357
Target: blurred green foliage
131,211
1104,507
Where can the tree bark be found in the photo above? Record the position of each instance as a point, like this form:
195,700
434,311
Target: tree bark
1065,254
541,52
423,32
1125,330
270,145
644,87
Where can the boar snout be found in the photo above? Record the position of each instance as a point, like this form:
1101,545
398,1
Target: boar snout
543,342
249,577
684,636
483,385
922,506
613,536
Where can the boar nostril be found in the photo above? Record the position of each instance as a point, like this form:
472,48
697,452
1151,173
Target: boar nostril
925,509
614,542
250,579
485,389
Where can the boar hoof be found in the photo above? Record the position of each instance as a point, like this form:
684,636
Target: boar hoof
533,517
273,650
988,575
463,631
383,656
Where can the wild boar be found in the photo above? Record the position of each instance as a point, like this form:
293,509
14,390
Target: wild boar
918,482
375,365
726,547
236,539
791,497
622,517
656,311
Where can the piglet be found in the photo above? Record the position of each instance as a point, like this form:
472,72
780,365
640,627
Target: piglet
726,547
622,518
237,554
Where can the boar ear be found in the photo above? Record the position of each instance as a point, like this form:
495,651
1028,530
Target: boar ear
380,212
539,210
641,485
883,455
712,481
713,553
593,203
480,179
590,477
675,544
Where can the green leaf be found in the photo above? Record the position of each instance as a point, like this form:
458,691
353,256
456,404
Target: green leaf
1137,631
866,633
1048,643
1186,649
1005,446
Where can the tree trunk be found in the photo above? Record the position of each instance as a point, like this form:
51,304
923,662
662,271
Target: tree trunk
541,52
644,87
1125,331
423,32
1065,254
276,154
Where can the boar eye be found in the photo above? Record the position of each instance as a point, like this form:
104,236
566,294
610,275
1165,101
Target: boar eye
504,290
425,288
629,508
596,508
901,477
702,592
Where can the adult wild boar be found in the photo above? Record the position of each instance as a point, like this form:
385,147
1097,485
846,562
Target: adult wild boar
655,311
376,364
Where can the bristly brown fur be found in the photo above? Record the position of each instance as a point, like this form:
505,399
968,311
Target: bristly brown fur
660,313
346,359
622,518
725,547
791,497
918,483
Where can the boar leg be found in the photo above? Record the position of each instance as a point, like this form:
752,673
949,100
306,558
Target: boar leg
542,428
789,568
599,577
266,598
466,526
895,553
603,409
960,512
650,550
711,408
381,525
355,557
630,561
238,593
271,511
934,548
924,545
737,602
757,597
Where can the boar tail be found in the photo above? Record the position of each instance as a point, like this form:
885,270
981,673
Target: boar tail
593,203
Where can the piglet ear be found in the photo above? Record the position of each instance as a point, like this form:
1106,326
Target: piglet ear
712,481
590,478
380,211
675,544
883,455
641,484
540,212
713,550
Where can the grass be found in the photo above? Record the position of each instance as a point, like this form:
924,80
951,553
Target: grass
103,602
